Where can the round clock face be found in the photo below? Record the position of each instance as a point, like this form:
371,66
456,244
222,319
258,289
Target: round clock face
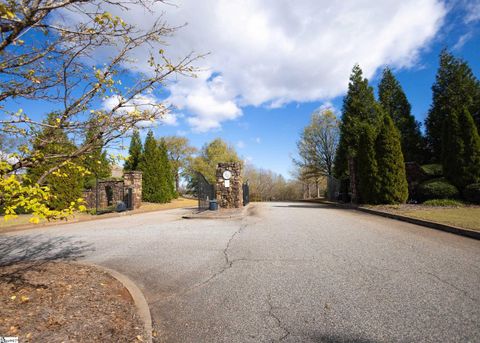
227,174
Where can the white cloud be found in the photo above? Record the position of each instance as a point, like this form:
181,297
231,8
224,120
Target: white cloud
272,52
258,140
241,144
473,11
142,102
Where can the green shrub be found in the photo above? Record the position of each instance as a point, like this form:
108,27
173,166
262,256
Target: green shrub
433,170
472,193
444,202
437,189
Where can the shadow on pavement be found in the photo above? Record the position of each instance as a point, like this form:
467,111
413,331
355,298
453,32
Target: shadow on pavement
20,254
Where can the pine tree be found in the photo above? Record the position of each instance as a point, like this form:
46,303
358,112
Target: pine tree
392,181
455,87
461,148
96,162
367,166
66,183
134,152
359,107
168,178
395,103
151,166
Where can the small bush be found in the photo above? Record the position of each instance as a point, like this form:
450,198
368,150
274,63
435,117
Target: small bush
444,203
472,193
433,170
437,189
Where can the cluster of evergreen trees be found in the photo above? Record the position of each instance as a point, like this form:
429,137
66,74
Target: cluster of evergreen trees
67,179
376,137
453,122
158,179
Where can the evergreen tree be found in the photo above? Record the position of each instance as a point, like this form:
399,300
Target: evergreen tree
66,183
395,103
134,152
461,148
96,162
455,87
392,180
158,180
359,107
367,178
168,178
150,165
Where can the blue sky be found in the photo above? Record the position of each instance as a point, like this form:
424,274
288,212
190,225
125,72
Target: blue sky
267,136
271,63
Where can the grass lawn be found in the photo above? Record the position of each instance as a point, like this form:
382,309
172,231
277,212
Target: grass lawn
467,217
23,219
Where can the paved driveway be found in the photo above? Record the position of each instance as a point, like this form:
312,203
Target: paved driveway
289,272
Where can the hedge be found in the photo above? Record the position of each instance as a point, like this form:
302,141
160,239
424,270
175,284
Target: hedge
437,189
472,193
433,170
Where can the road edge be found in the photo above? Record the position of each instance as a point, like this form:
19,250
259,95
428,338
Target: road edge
218,214
432,225
139,300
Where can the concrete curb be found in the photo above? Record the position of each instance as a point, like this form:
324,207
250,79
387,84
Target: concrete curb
433,225
141,304
217,214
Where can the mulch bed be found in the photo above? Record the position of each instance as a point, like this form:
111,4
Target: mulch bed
65,302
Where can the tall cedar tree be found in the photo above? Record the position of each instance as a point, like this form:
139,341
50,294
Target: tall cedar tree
151,165
461,148
367,168
168,178
394,101
359,107
66,183
392,180
134,153
96,162
455,87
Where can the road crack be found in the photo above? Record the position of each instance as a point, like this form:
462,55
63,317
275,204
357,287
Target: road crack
461,290
277,320
228,263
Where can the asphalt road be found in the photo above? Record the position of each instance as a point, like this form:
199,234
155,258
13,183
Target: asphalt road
290,272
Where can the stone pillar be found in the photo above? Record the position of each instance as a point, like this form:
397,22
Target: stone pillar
133,180
229,191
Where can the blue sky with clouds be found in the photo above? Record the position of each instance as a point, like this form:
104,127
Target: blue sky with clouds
272,62
266,130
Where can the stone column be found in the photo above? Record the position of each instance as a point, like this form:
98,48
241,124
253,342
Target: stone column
229,192
133,180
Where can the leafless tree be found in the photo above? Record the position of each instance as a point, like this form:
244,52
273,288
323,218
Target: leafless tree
48,52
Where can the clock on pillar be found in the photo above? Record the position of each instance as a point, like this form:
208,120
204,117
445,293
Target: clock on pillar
227,174
229,191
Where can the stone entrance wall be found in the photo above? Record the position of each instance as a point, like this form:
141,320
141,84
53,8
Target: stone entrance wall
229,192
110,192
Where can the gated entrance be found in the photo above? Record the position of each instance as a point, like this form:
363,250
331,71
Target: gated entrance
246,194
205,192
